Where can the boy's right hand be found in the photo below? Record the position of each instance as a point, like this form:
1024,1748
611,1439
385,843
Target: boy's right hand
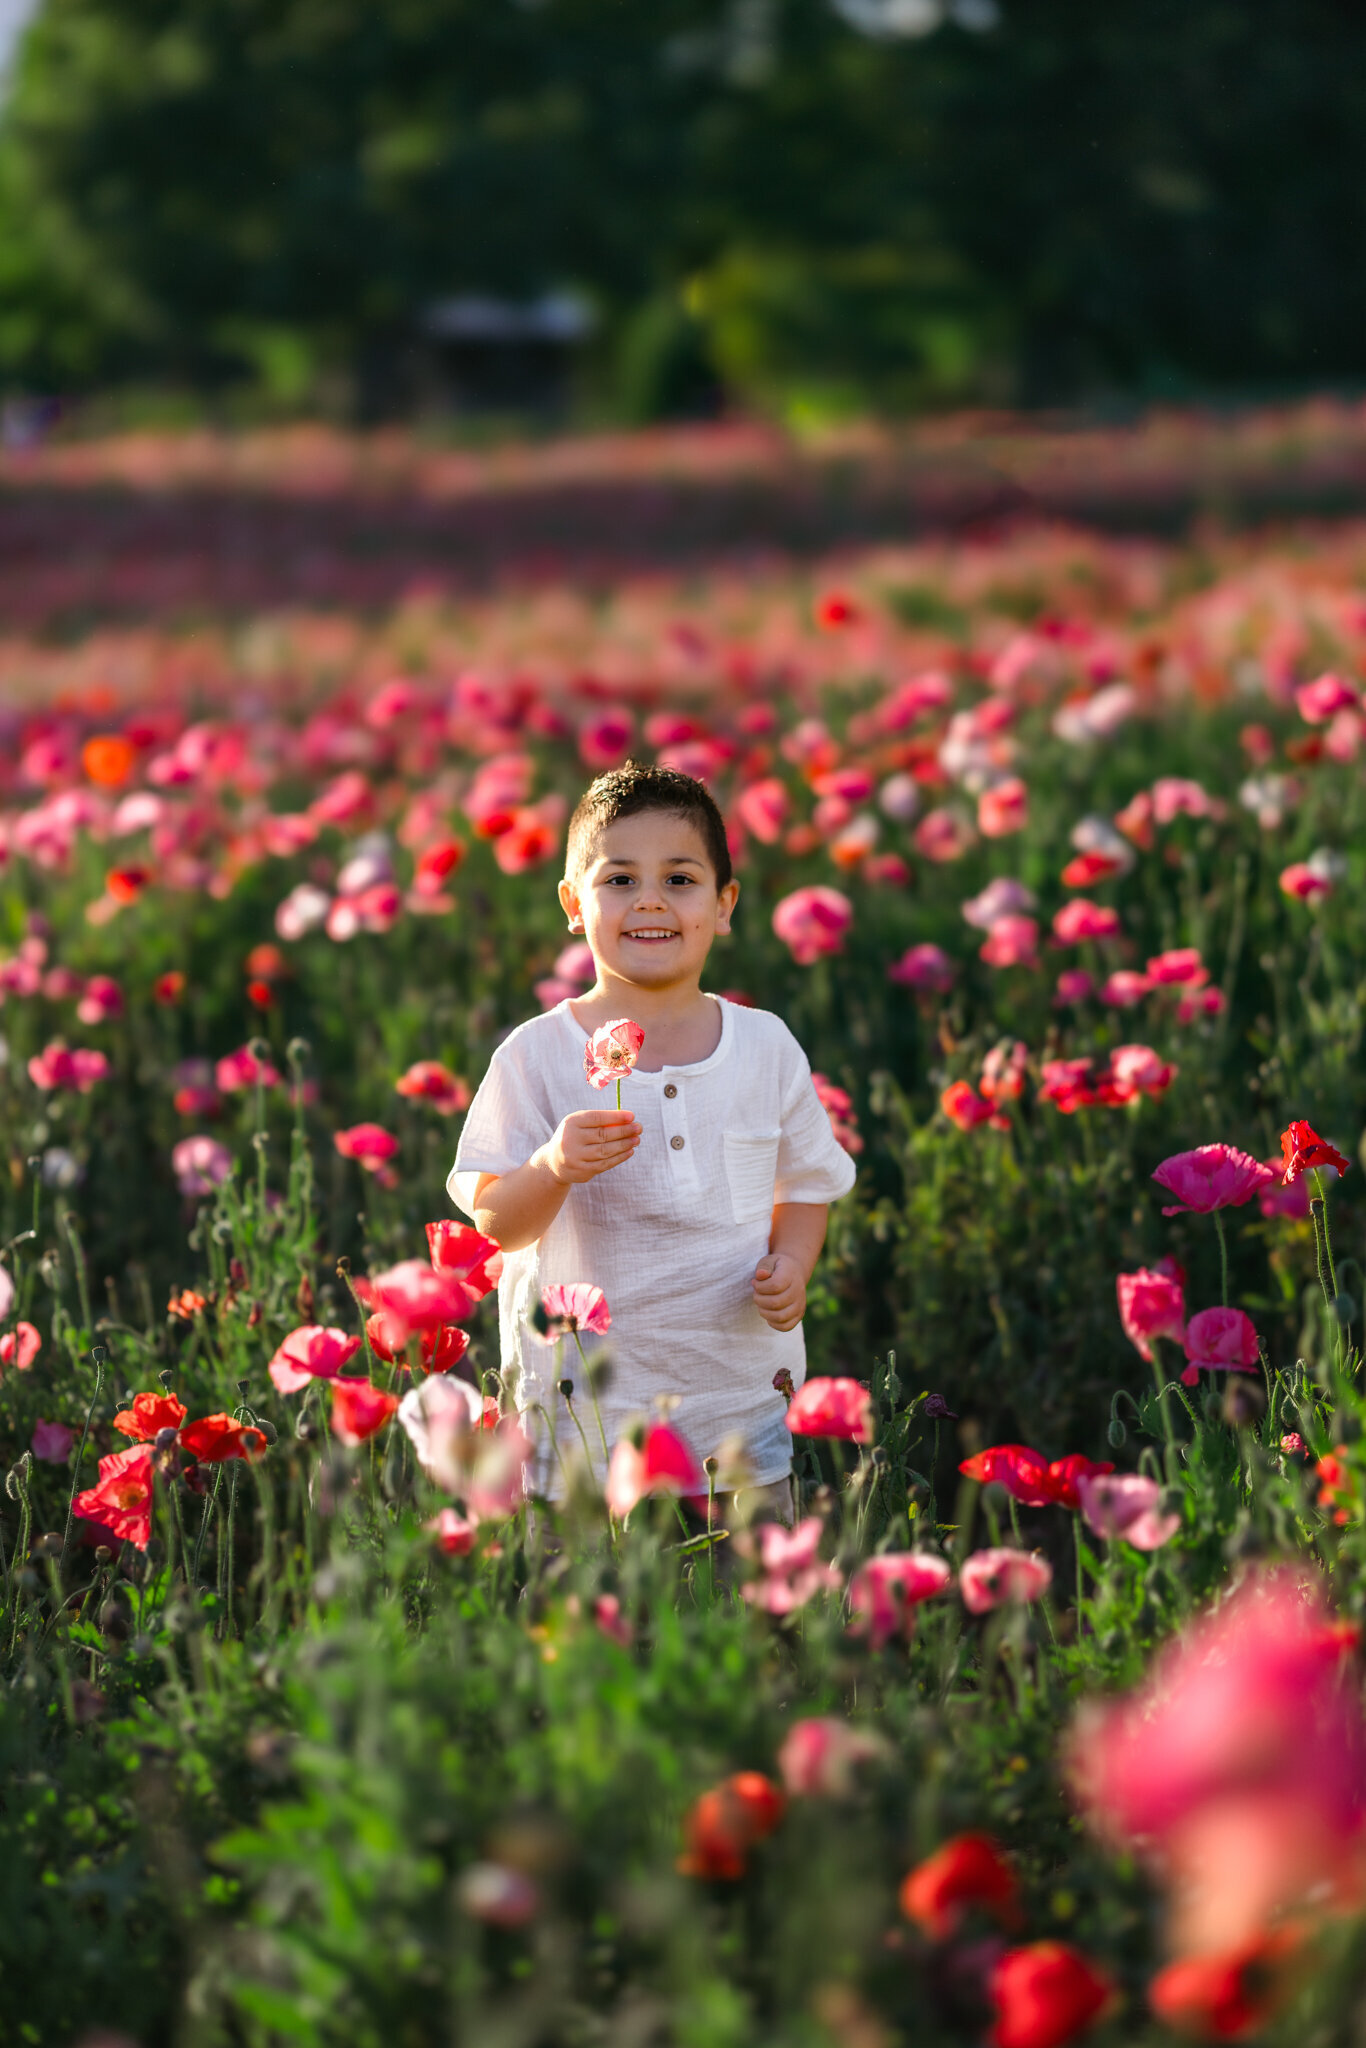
590,1142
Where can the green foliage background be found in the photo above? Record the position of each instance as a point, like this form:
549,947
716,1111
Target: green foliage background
1066,200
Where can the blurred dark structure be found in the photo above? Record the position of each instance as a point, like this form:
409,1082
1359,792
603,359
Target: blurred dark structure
821,203
483,354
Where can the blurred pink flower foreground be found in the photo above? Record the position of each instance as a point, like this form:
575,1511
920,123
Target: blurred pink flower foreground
1210,1177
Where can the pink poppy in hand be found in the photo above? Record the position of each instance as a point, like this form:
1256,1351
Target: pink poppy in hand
612,1051
834,1408
565,1310
812,922
416,1296
1220,1340
662,1462
1124,1505
791,1569
1211,1177
1152,1303
359,1410
429,1081
20,1346
314,1351
818,1757
52,1442
460,1253
885,1592
990,1578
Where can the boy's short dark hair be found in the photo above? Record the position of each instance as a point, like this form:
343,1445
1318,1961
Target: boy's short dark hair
624,792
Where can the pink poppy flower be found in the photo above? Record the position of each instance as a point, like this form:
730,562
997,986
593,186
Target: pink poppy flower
1075,985
20,1346
925,968
1081,919
812,922
606,739
200,1164
428,1081
314,1351
417,1297
7,1293
530,839
1176,796
1003,897
885,1592
965,1108
59,1067
1304,883
612,1051
496,1486
454,1533
101,1000
1200,1002
575,963
441,1417
1068,1084
990,1578
359,1411
762,808
1179,967
1136,1070
577,1307
1211,1177
1003,1071
52,1442
819,1756
944,835
1123,1505
460,1253
611,1622
1011,942
1152,1303
1003,809
1220,1340
791,1571
1324,698
242,1069
1124,989
661,1463
1239,1765
832,1408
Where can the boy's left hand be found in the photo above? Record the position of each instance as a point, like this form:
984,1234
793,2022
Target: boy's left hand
779,1291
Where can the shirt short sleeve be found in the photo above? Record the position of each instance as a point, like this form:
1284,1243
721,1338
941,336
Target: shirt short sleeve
812,1165
503,1126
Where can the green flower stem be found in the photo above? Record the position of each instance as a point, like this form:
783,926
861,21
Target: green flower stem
1319,1209
593,1396
1223,1256
98,1355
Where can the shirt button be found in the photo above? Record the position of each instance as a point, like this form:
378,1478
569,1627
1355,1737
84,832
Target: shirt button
677,1144
670,1090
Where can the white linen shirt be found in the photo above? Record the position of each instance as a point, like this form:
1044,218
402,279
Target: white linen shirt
672,1236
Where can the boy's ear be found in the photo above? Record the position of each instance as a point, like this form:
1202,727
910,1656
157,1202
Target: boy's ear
569,903
725,905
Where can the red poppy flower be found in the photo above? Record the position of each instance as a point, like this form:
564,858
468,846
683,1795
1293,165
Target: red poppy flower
440,1349
168,988
108,759
260,994
724,1824
1044,1995
122,1500
1304,1151
359,1410
149,1413
969,1870
466,1255
186,1305
125,885
1225,1996
215,1438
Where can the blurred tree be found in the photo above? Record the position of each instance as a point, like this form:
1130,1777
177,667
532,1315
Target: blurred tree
826,202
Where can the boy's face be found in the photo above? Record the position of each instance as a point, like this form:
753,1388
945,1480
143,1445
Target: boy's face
648,900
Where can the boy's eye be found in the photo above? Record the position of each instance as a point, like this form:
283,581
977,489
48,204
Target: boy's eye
624,879
673,879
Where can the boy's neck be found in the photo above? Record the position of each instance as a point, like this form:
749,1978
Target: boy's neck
675,1019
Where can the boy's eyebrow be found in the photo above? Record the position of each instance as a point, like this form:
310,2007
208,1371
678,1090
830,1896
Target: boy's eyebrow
671,860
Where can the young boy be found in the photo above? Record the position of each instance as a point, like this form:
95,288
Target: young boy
700,1208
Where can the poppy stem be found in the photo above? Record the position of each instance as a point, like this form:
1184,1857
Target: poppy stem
1223,1255
98,1354
1318,1208
590,1376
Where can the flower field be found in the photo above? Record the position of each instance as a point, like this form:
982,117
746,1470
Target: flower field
1044,1722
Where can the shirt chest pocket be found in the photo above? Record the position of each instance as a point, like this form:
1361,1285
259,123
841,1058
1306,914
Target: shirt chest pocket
751,1170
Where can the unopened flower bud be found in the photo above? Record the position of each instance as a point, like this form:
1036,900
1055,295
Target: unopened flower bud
937,1409
566,1387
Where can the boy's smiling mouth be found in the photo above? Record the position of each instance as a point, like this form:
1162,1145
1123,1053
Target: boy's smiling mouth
651,934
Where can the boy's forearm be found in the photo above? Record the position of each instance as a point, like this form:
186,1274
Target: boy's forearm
798,1232
520,1206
